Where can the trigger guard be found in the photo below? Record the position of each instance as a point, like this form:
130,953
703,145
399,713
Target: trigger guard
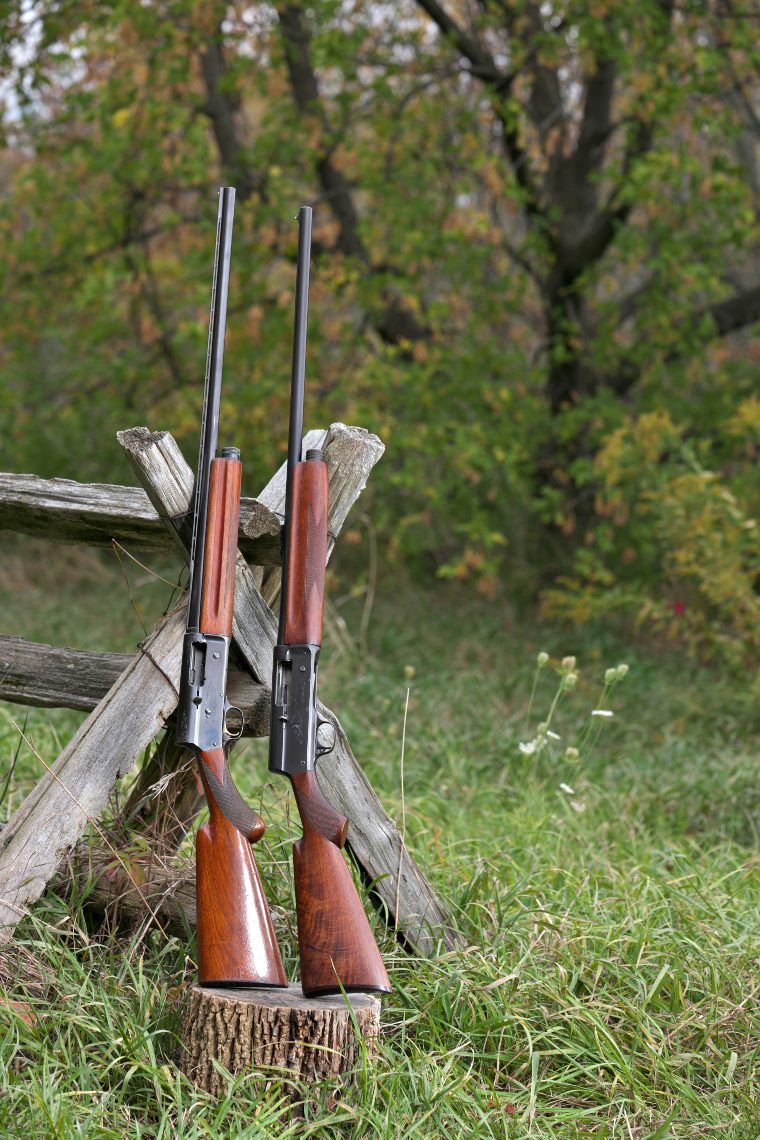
229,736
325,749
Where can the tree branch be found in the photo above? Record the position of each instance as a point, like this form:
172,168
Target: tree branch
731,315
396,322
221,107
596,125
484,67
303,79
736,312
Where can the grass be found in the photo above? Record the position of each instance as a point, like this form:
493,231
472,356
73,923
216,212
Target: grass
609,982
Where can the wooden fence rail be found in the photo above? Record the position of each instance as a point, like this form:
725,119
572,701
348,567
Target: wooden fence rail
130,698
97,514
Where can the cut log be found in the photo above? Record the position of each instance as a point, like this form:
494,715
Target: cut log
95,514
277,1032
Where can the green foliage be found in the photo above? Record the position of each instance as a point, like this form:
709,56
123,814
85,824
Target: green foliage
606,984
672,545
557,245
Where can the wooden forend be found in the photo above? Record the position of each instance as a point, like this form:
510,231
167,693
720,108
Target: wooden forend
278,1032
305,594
220,553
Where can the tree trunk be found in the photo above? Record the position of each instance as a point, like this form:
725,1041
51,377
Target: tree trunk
277,1031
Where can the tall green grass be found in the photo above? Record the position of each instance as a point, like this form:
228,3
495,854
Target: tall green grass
608,985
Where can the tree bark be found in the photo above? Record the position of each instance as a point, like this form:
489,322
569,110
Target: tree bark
278,1032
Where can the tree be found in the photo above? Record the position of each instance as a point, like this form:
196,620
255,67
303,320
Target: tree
599,116
534,225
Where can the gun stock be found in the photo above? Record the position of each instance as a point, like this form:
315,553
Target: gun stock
336,946
335,942
236,940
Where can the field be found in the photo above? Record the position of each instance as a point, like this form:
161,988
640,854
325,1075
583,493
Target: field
608,894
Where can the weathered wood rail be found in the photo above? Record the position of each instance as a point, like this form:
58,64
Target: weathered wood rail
130,699
99,514
57,677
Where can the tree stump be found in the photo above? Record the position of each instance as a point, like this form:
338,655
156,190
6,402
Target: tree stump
278,1032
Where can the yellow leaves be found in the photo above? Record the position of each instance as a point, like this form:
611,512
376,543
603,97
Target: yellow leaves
636,445
471,560
746,419
654,432
710,551
120,118
678,534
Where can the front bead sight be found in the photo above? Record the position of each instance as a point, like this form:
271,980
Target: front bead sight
201,716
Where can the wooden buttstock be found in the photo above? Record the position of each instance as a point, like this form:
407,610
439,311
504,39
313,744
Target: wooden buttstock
336,946
220,550
307,554
237,945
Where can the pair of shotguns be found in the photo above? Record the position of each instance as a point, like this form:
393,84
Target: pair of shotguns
236,942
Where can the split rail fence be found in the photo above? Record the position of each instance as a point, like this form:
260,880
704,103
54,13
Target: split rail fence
131,699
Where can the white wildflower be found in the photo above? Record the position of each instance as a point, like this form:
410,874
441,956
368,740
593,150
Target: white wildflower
602,712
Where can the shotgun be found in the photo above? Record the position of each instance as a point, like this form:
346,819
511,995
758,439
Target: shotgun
336,947
236,941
